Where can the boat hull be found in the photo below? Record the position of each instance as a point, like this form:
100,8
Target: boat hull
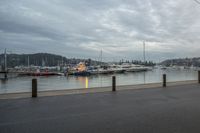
40,74
84,73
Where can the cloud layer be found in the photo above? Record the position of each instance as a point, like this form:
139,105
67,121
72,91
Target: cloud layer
82,28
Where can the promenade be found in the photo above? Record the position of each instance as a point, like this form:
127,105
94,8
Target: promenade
174,109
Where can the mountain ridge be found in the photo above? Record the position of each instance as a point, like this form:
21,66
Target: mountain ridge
41,59
195,61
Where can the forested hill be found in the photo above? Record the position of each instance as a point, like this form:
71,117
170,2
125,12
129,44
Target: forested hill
41,59
182,62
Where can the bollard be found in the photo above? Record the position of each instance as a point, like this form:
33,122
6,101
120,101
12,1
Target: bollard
164,80
34,87
199,76
113,83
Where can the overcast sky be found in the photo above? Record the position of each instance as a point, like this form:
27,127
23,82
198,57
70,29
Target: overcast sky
81,28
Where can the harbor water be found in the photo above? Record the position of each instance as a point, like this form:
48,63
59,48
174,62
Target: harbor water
23,83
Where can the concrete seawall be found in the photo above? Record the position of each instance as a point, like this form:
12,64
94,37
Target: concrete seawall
93,90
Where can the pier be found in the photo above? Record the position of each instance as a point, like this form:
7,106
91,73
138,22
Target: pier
174,108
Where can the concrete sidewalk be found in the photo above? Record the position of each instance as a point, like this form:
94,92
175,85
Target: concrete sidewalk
175,109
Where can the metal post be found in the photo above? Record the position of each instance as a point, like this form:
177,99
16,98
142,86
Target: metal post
34,87
164,80
199,76
113,83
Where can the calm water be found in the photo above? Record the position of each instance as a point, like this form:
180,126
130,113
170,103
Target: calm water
23,84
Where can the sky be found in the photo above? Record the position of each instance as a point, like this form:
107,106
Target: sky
82,28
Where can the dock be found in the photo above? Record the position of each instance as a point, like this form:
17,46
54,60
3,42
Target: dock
171,109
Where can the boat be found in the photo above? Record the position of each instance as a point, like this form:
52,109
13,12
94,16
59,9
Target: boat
101,71
163,68
82,73
116,68
40,74
119,70
105,71
81,70
136,69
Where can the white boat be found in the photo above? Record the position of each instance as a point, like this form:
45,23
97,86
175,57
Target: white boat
105,71
136,69
101,71
118,70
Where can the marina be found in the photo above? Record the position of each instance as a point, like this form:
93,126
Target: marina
85,75
99,66
46,83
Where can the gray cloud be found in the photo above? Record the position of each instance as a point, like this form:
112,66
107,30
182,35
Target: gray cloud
82,28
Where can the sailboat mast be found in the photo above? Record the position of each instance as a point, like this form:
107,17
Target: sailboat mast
101,57
28,61
5,60
144,54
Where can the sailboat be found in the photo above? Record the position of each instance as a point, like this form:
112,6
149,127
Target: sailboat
139,68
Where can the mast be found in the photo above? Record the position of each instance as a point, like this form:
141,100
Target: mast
5,64
5,61
28,61
144,54
101,57
62,61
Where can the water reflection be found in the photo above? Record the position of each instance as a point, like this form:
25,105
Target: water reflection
23,84
3,81
144,77
84,81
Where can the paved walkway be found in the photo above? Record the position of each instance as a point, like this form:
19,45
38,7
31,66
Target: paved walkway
175,109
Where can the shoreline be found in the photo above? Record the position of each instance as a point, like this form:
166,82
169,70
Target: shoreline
92,90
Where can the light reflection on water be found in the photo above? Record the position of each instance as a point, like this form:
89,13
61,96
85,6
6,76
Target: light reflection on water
23,84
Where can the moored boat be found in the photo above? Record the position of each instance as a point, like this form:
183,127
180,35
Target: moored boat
81,70
82,73
136,69
40,74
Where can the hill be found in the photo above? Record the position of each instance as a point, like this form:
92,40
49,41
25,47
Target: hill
182,62
41,59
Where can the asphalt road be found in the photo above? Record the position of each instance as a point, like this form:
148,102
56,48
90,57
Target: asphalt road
156,110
